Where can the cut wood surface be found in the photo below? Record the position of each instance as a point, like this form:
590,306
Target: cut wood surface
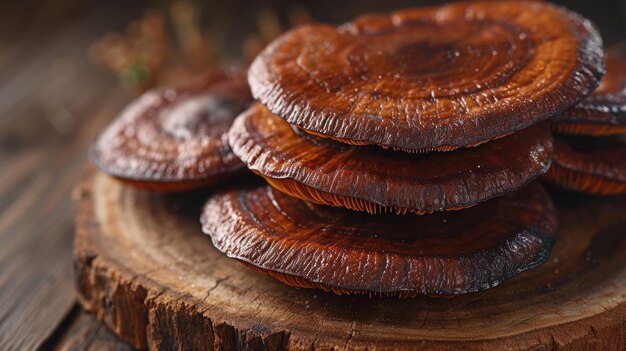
145,269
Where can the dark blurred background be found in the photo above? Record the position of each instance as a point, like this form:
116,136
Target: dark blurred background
66,68
35,22
21,20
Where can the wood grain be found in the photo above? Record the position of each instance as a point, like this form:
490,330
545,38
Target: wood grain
86,333
145,270
48,116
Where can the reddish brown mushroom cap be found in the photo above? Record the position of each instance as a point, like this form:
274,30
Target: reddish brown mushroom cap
439,77
376,180
343,251
174,139
604,111
590,164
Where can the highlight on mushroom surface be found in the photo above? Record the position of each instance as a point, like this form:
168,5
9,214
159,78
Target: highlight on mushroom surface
370,179
347,252
174,139
434,78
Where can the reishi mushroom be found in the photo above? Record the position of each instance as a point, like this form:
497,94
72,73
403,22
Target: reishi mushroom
371,179
434,78
590,164
604,111
348,252
174,139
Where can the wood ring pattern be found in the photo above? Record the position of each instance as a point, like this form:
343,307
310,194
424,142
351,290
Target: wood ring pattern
145,269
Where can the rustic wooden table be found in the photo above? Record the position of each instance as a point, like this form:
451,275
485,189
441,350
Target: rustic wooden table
52,103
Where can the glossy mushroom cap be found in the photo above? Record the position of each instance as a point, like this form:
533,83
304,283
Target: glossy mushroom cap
348,252
375,180
431,78
590,164
604,111
174,139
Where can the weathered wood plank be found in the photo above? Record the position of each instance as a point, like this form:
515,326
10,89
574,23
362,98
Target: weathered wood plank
85,333
52,103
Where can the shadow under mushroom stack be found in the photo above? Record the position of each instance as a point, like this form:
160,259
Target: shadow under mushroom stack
400,149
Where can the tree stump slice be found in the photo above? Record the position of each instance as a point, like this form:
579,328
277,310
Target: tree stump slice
145,269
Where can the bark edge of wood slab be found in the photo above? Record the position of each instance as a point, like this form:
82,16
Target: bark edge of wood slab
144,268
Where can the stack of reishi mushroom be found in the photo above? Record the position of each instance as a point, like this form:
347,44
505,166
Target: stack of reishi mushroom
590,150
400,148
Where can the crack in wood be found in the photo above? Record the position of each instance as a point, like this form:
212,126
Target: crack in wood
217,283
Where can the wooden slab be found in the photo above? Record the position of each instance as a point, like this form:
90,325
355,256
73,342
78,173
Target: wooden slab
145,269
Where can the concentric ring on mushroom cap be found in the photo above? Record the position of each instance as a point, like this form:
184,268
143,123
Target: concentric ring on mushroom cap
175,138
347,252
371,179
604,111
437,77
590,164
